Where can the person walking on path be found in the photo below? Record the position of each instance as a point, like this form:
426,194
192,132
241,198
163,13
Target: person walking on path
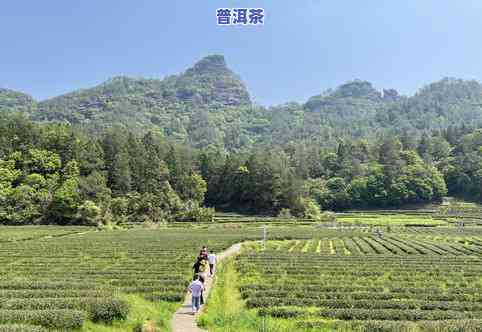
204,252
200,270
212,262
197,267
196,289
183,320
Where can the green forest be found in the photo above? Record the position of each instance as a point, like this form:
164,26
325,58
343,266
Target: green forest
181,148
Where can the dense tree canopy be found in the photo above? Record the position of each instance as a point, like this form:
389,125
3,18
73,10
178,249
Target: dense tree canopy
56,173
136,150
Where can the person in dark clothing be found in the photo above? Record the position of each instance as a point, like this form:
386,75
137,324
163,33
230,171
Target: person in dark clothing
197,267
200,271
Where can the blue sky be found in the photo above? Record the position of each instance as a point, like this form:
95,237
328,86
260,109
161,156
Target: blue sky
51,47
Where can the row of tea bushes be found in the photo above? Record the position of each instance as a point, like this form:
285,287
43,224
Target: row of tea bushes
462,325
58,278
399,277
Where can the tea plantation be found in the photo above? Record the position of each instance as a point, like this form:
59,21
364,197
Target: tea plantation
411,279
60,278
313,277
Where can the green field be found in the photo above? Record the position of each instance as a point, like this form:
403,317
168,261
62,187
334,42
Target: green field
372,219
309,277
16,233
416,279
82,279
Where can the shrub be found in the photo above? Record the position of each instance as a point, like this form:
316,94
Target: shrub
311,210
88,213
282,312
463,325
196,213
108,310
327,325
328,216
62,319
285,214
387,326
54,319
389,314
21,328
168,297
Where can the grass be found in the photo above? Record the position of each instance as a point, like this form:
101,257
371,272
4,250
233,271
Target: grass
226,312
391,220
32,232
143,313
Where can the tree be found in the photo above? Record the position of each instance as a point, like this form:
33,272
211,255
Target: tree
376,190
193,188
358,191
337,195
193,212
42,161
137,161
424,148
66,198
169,200
120,209
440,150
329,163
58,173
311,210
121,181
22,207
8,174
94,187
389,157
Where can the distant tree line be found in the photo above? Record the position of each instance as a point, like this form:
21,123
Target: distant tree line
57,173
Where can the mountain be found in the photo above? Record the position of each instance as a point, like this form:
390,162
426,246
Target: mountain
140,102
208,106
11,100
211,82
350,106
448,102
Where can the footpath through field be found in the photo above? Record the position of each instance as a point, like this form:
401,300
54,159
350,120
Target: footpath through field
183,320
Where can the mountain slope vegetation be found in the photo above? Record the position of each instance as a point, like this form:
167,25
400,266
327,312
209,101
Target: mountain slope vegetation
11,101
148,150
209,107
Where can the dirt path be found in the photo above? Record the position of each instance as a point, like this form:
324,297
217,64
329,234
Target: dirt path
183,320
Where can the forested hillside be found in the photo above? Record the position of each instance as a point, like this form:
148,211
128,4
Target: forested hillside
13,101
208,106
135,150
56,173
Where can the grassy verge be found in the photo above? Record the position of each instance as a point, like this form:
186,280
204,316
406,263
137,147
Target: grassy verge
152,316
391,220
226,312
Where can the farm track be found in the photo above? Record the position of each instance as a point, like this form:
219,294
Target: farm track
183,320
